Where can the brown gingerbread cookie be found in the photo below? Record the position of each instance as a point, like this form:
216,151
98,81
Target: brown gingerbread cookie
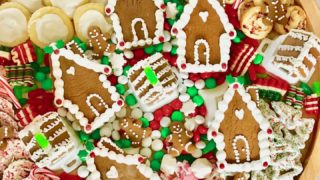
134,131
179,140
275,11
99,42
75,48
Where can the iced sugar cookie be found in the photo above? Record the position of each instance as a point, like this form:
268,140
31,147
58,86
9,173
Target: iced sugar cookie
89,15
296,19
99,1
31,5
48,25
68,6
13,29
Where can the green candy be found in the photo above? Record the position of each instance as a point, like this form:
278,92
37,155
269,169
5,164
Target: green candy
118,51
210,83
177,116
165,132
126,143
131,100
40,76
35,66
145,122
89,146
105,60
125,70
150,50
95,134
47,84
82,154
258,59
305,88
83,46
316,87
174,50
59,44
241,35
230,79
40,55
186,157
158,155
192,91
23,101
42,140
198,100
17,90
45,70
159,47
155,165
48,50
151,75
180,8
121,89
171,21
83,136
237,40
210,146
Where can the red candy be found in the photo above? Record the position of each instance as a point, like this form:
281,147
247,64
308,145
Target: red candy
202,130
167,110
196,137
158,115
194,77
176,104
155,125
203,110
113,79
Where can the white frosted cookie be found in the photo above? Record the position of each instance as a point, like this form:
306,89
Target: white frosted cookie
89,15
253,23
297,19
99,1
68,6
31,5
13,28
48,25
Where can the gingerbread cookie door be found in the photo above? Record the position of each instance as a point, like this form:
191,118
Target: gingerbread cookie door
135,27
204,39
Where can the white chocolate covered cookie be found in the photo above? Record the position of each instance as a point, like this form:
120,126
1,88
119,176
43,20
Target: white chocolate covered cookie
13,28
68,6
48,25
297,19
31,5
89,15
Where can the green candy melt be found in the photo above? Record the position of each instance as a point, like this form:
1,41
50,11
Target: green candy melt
151,75
258,59
42,140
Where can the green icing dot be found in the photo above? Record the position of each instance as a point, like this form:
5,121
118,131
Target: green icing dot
131,100
174,50
96,134
177,116
125,70
145,122
42,140
47,84
158,155
210,146
210,83
82,154
192,91
150,50
198,100
83,136
155,165
105,60
165,132
258,59
237,40
121,89
89,146
40,76
151,75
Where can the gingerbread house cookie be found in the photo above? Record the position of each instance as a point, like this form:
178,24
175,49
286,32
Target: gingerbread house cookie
204,37
52,143
153,82
108,164
292,56
240,132
135,27
87,94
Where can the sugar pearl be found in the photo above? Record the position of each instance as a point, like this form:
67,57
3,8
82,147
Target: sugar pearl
182,88
131,150
197,153
122,113
200,145
188,82
184,75
128,54
146,152
199,119
156,134
115,135
123,80
149,116
116,125
76,126
190,124
114,38
62,112
167,47
70,117
105,131
136,113
146,142
167,35
165,122
200,84
83,171
112,119
157,145
175,41
184,97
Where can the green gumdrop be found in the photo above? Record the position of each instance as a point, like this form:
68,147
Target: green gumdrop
45,70
48,50
155,165
40,76
35,66
89,146
83,136
203,137
83,46
59,44
40,55
210,146
165,132
77,40
174,50
149,50
241,35
159,47
177,116
17,90
186,157
95,134
180,8
131,100
42,140
198,100
121,89
158,155
306,89
125,70
258,59
105,60
145,122
82,154
47,84
230,79
171,21
126,143
237,40
118,51
210,83
23,101
192,91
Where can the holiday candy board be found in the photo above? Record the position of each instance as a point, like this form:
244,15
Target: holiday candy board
157,89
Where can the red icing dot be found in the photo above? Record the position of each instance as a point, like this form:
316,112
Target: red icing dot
88,127
163,6
167,26
121,43
265,164
155,125
141,159
56,51
58,101
235,86
167,110
175,30
92,155
221,166
108,10
183,66
269,131
214,133
120,102
107,70
231,33
161,38
224,65
176,104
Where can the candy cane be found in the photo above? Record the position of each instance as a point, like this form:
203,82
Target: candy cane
41,171
9,91
237,4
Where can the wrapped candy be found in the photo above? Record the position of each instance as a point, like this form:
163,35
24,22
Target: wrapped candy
23,54
7,93
311,104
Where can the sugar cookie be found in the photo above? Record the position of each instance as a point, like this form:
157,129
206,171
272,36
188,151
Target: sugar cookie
88,15
296,19
68,6
13,29
48,25
31,5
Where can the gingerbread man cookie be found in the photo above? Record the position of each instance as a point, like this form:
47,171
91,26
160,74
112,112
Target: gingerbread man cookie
179,140
134,131
296,18
98,41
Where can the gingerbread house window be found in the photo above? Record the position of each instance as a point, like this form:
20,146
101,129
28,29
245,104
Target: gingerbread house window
135,27
204,37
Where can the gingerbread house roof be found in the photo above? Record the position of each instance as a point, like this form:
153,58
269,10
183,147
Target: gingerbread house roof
224,39
241,120
158,20
86,82
292,56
